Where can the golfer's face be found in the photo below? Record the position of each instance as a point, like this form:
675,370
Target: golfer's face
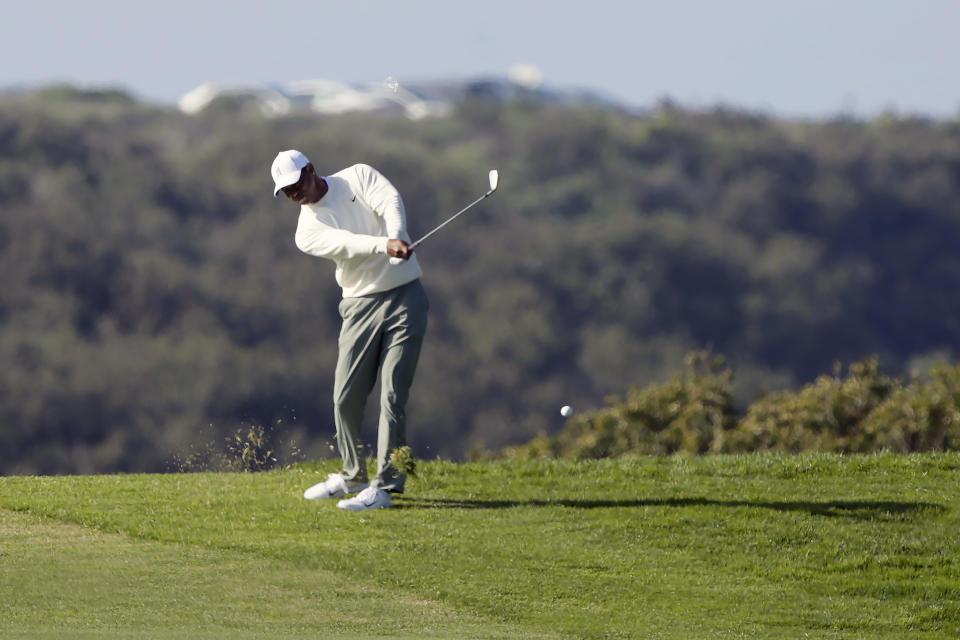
306,189
295,190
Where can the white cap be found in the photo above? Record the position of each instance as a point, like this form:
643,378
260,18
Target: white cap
286,169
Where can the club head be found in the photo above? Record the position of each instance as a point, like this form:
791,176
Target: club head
494,179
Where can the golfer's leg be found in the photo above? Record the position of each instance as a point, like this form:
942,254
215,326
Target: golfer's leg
404,327
359,353
396,377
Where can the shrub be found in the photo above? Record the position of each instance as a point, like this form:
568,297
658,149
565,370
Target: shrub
864,412
823,416
684,415
922,417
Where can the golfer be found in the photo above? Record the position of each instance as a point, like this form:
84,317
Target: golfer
356,218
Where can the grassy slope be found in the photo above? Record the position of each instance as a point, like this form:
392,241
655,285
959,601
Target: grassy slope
718,547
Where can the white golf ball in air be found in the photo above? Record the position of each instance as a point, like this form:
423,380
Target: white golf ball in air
566,411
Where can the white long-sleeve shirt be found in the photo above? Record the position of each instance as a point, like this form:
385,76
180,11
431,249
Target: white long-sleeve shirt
351,225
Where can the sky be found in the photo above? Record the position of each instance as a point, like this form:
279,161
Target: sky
795,58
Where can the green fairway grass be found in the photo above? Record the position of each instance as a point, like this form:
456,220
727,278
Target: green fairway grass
713,547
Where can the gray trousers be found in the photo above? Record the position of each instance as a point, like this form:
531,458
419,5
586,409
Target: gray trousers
380,339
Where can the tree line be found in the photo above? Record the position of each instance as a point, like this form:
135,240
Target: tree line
153,301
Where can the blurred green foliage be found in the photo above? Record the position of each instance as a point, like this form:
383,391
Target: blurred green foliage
151,287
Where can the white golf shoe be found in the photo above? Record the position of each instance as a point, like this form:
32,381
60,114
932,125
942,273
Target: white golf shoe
335,486
369,498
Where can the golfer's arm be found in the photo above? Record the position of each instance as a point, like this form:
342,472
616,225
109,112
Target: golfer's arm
385,201
317,239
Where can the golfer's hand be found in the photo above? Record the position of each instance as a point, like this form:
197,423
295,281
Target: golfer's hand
399,249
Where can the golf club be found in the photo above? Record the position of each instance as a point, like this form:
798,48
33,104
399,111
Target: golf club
494,180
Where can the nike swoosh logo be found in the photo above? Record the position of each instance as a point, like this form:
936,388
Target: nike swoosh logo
354,199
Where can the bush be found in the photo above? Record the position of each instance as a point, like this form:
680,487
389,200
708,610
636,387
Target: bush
865,412
922,417
823,416
686,415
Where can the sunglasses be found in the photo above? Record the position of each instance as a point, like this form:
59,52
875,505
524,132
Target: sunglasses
294,190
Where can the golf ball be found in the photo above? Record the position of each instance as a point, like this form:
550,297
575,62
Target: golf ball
566,411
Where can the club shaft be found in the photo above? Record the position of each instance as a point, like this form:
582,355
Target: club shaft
450,219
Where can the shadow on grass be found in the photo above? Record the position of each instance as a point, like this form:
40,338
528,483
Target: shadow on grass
857,509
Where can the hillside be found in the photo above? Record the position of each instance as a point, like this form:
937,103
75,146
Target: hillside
154,303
